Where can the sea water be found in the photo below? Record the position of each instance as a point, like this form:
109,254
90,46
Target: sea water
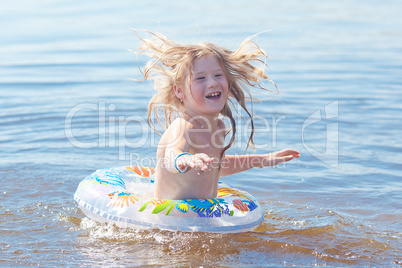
68,107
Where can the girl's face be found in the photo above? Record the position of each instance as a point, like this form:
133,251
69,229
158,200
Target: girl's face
207,92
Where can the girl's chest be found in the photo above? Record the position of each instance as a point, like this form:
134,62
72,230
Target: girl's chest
208,143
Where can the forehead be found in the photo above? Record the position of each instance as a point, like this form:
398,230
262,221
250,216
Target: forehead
205,63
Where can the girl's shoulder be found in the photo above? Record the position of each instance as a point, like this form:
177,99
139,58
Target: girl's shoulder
181,122
180,126
178,129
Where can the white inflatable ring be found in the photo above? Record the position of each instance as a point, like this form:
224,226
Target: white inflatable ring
124,196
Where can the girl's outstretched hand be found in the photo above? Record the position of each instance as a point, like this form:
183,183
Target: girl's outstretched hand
276,158
186,162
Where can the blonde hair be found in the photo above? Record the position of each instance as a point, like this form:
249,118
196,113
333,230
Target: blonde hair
172,62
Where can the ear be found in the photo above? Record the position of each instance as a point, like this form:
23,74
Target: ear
178,92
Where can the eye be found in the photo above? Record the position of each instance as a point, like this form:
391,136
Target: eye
200,78
218,75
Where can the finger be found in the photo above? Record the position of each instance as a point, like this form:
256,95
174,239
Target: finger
205,158
192,164
195,162
288,152
203,167
282,159
182,165
287,158
277,160
199,163
184,162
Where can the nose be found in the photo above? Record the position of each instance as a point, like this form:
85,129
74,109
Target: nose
212,83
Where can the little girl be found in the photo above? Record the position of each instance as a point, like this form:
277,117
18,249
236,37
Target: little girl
195,85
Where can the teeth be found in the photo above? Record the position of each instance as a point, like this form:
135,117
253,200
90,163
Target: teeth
214,94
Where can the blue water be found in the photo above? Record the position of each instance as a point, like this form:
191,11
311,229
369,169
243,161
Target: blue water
68,107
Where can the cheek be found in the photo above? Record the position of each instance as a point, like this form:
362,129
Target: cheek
225,84
195,93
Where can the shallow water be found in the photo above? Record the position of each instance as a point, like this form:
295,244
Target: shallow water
66,101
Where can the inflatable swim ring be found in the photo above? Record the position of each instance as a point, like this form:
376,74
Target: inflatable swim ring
124,196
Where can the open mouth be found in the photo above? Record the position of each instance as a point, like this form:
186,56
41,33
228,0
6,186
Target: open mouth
214,95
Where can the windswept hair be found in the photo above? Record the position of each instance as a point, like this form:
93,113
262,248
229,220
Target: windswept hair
172,62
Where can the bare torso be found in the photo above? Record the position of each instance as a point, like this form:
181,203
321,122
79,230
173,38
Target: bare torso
194,183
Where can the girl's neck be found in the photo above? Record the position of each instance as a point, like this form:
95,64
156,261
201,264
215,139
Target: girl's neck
202,121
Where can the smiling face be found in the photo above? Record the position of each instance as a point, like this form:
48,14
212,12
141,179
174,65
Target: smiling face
207,92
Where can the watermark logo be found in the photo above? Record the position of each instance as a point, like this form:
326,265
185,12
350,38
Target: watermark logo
96,125
111,131
328,153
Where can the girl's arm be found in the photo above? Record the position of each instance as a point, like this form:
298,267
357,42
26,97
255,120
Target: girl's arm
238,163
